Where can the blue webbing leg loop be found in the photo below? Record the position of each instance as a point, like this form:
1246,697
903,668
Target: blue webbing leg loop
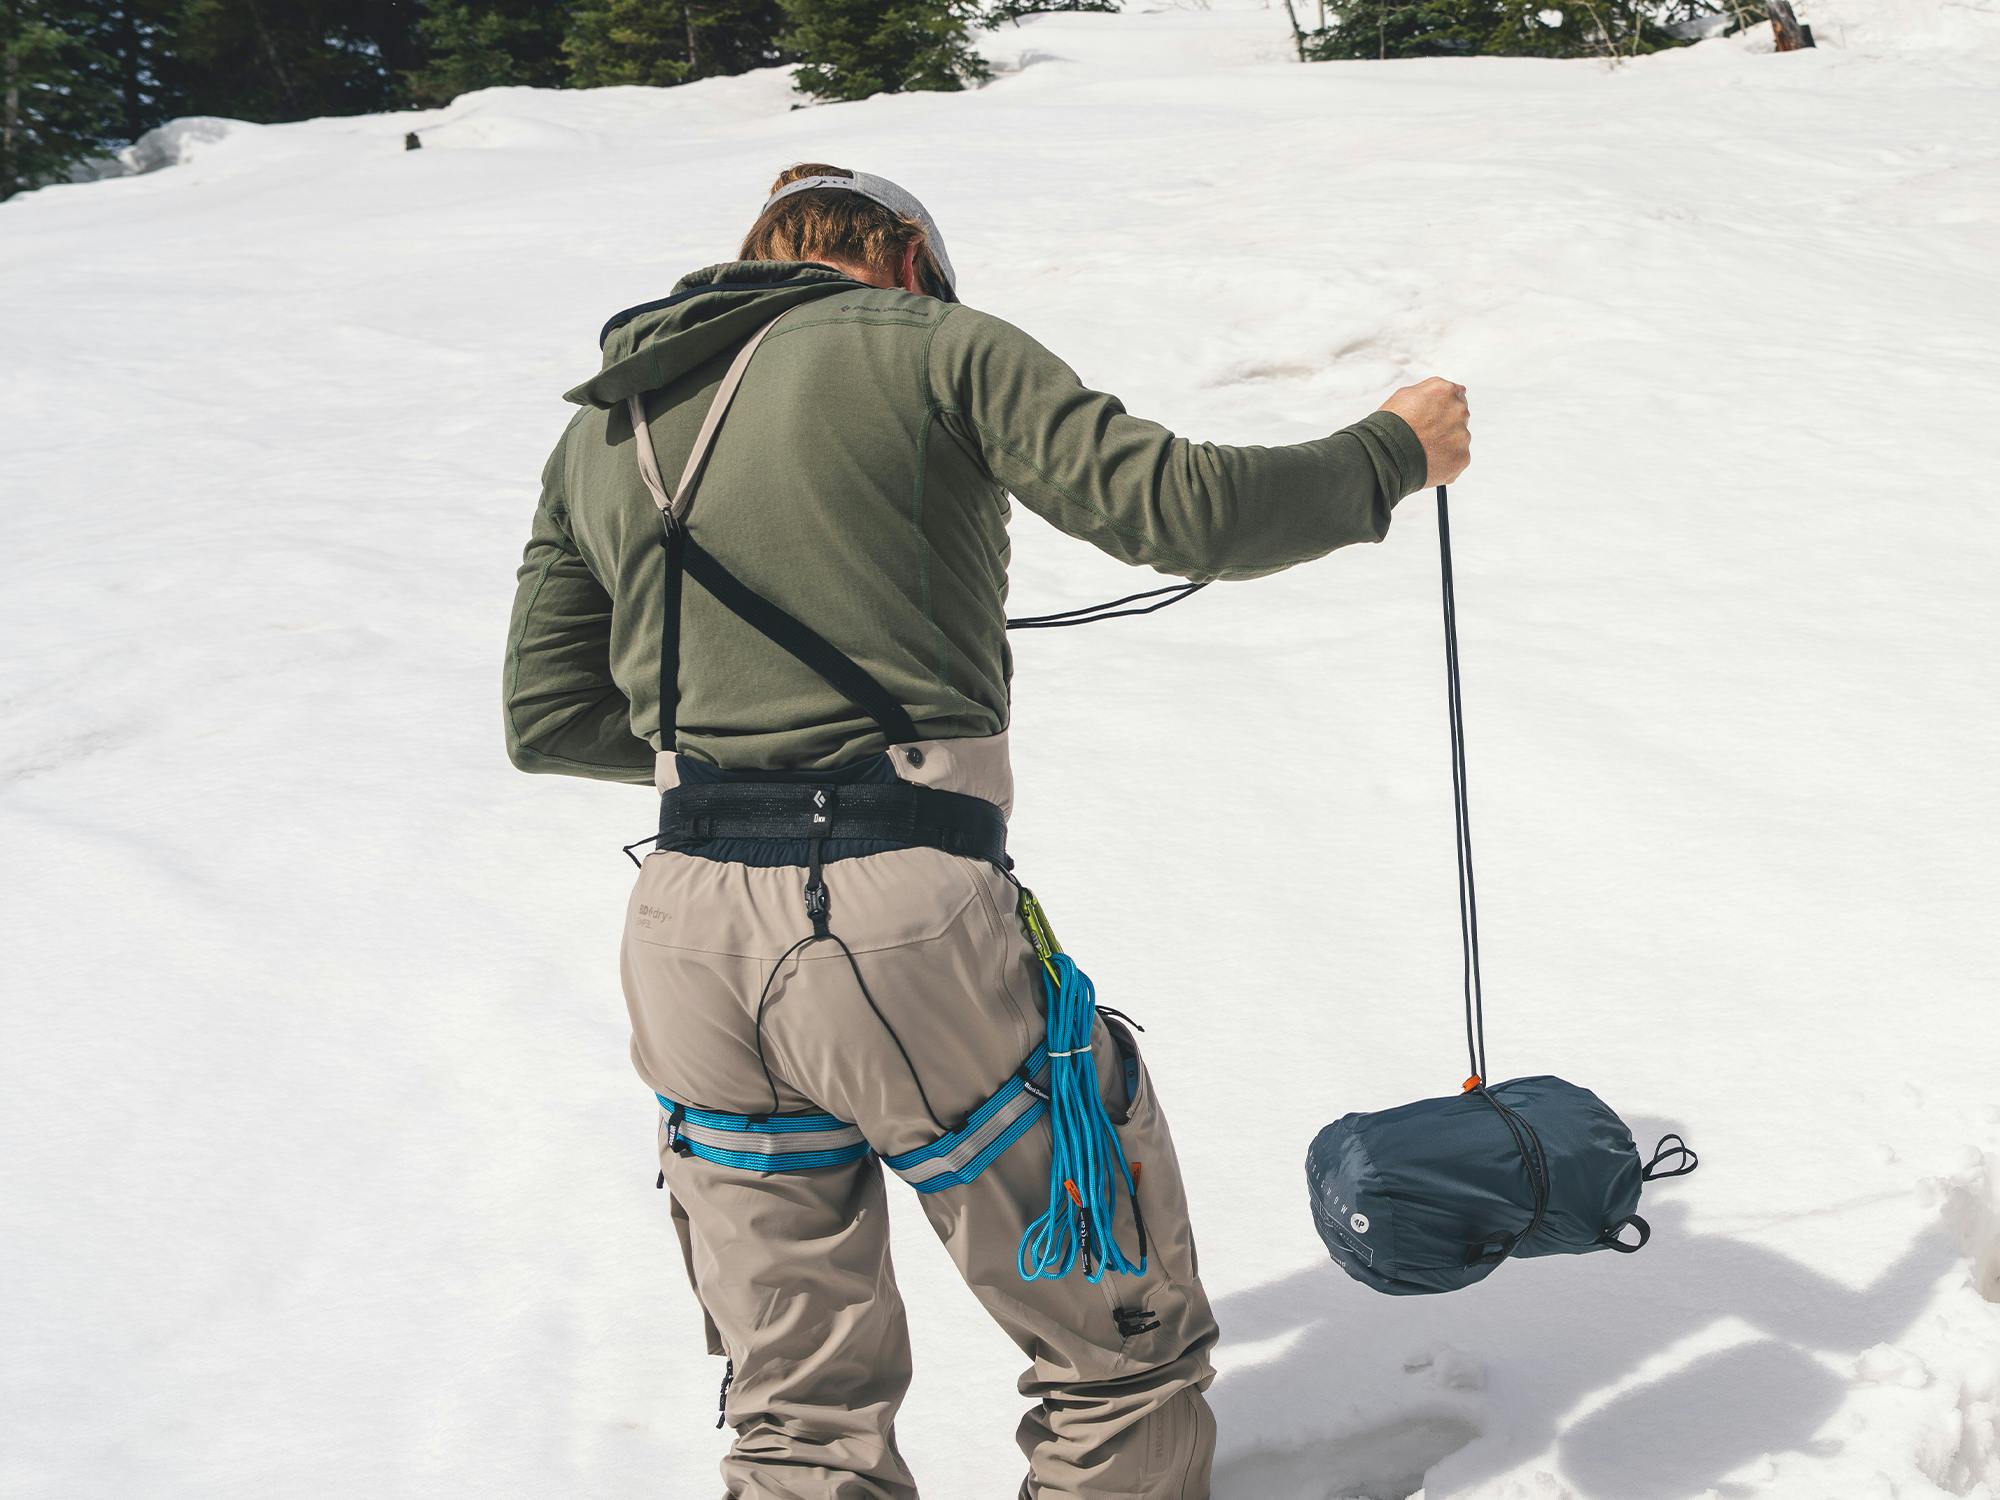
1087,1167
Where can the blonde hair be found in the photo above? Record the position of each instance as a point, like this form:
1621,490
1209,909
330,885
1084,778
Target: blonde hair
831,224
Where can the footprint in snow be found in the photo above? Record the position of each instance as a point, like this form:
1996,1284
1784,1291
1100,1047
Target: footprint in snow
1969,1202
1382,1463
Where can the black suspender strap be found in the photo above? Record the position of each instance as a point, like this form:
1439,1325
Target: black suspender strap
839,670
683,557
673,547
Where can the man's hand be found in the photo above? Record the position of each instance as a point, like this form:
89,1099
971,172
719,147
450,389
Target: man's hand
1437,412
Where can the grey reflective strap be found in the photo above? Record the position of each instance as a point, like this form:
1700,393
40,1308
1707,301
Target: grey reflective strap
676,505
774,1147
761,1143
956,1159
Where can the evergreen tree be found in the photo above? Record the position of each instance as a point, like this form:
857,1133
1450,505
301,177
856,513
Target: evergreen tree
390,28
58,101
1002,11
135,38
1398,28
1530,28
478,44
668,41
270,60
854,48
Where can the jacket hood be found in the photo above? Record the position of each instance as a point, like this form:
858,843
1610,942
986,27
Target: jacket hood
708,312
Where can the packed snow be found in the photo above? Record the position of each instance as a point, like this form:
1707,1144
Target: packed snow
326,1171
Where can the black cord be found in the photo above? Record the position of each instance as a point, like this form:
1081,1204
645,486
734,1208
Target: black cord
764,999
866,994
1468,899
1529,1144
1090,614
1525,1139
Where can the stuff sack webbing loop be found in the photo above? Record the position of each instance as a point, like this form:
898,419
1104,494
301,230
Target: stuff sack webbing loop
1612,1240
1671,1148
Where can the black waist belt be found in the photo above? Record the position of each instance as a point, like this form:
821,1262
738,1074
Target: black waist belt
902,813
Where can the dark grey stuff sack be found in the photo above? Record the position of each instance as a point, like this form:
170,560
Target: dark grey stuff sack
1432,1196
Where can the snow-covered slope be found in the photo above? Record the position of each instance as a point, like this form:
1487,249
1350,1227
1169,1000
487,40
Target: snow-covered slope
325,1172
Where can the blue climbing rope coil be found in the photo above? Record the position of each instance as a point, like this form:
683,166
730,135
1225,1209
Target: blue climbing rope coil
1087,1166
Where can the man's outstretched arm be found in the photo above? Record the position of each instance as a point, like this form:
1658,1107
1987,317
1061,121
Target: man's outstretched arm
1077,458
564,712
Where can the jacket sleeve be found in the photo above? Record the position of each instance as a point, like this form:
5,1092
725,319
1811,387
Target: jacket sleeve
1075,457
564,712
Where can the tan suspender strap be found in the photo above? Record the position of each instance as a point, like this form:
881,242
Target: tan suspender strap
675,506
682,557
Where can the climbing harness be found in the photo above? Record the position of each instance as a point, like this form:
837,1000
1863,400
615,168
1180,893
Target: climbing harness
1430,1197
1057,1081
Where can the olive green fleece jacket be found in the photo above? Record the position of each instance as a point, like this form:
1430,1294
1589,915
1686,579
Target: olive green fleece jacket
861,482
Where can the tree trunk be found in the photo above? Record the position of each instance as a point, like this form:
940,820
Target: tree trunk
128,70
288,93
10,127
1791,36
1298,36
693,42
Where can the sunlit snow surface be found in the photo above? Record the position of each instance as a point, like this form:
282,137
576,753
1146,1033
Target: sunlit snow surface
325,1172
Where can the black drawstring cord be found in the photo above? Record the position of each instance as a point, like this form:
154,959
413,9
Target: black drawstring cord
1468,899
1525,1140
1090,614
765,996
902,1051
764,999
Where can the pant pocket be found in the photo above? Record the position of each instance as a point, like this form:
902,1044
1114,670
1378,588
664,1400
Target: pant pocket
1180,1448
1130,1100
684,1232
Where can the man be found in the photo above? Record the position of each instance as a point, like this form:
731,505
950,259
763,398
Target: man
800,643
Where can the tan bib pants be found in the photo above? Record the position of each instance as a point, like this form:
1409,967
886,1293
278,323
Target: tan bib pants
792,1267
